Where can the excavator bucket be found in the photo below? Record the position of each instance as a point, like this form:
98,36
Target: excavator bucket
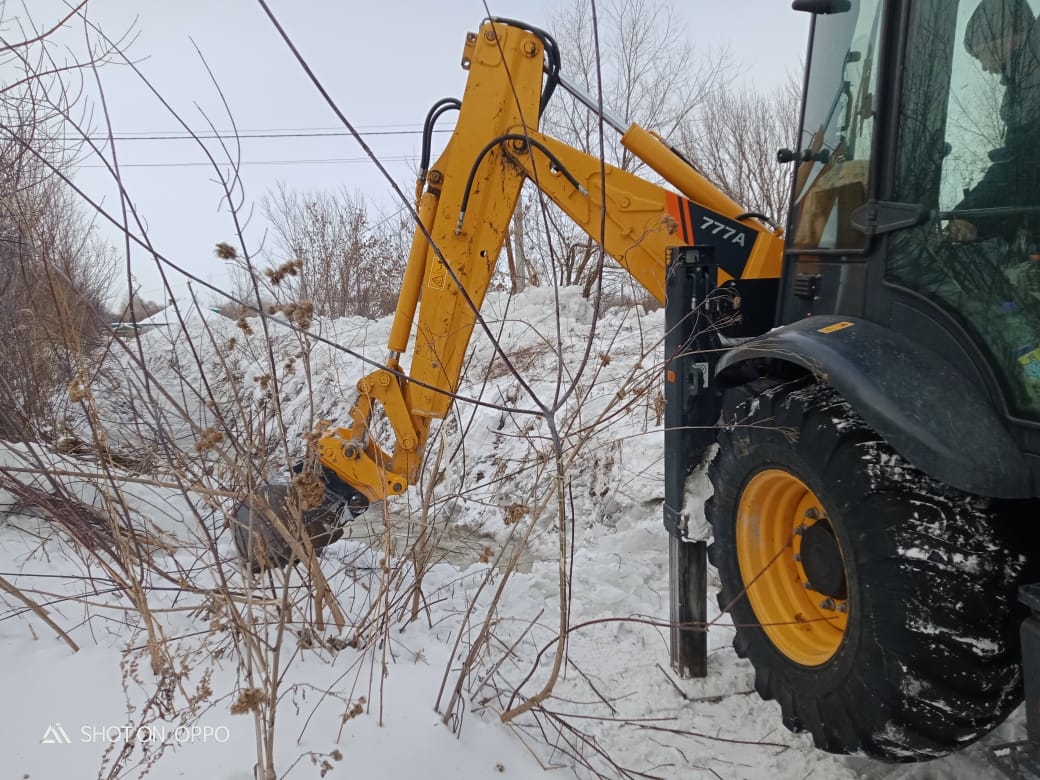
270,527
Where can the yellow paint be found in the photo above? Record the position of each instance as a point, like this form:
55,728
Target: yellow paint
835,326
773,505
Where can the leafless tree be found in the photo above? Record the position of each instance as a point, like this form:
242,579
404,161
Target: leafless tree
647,70
347,265
55,274
642,66
735,142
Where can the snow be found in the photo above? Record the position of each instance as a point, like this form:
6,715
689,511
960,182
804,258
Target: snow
617,696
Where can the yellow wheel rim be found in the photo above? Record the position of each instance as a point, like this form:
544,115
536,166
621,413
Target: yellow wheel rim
775,510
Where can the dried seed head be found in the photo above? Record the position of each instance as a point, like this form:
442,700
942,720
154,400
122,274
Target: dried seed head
249,700
243,325
225,251
338,643
78,390
515,513
310,490
277,275
355,711
304,314
300,314
209,439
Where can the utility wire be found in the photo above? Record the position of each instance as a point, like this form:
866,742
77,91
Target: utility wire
159,135
296,129
203,164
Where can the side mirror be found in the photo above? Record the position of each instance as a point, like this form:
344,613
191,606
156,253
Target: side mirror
784,156
822,6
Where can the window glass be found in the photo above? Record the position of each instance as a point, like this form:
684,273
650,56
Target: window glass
970,150
837,131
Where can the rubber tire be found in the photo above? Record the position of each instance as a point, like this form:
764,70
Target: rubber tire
930,659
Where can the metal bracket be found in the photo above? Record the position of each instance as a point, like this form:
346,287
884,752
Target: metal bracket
691,351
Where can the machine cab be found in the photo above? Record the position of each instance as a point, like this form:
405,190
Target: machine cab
916,198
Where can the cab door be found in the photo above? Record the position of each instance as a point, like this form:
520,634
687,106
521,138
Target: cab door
833,178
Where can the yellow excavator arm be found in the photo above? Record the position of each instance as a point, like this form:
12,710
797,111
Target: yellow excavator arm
466,201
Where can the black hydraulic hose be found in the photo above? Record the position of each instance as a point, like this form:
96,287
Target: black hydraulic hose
755,215
442,106
552,53
553,159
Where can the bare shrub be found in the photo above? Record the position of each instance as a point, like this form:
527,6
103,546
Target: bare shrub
55,275
736,142
349,266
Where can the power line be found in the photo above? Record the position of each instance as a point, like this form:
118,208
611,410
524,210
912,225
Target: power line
323,129
201,164
242,135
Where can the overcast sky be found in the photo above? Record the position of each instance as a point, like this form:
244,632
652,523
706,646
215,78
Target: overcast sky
384,61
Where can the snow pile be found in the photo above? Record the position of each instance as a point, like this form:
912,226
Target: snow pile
605,389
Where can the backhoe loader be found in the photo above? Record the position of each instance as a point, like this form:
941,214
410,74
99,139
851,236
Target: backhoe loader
865,383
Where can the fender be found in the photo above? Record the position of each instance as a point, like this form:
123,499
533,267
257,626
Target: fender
922,406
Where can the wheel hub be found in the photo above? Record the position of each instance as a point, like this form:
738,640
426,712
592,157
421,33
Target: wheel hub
821,559
792,567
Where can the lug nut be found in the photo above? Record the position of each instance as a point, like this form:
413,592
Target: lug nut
843,608
800,530
827,604
812,513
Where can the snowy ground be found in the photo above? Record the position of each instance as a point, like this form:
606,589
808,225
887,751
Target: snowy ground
69,714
